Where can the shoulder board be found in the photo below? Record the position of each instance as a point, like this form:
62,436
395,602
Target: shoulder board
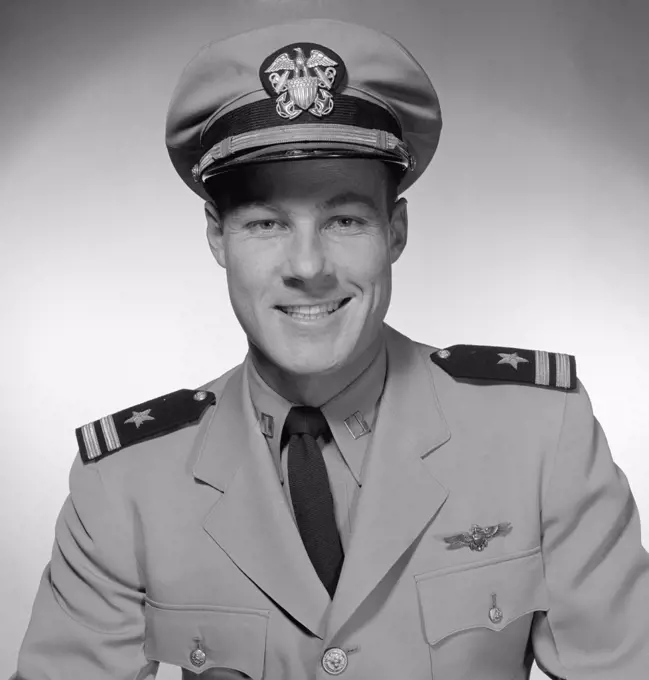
139,423
508,364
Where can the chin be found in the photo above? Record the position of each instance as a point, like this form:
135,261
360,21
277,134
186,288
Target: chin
305,351
308,363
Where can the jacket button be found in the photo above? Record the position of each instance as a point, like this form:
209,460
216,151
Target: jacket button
334,661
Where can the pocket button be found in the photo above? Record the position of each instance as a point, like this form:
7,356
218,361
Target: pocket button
495,613
198,656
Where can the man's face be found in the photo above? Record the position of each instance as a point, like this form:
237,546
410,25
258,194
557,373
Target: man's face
308,247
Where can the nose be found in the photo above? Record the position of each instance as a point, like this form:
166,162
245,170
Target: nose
306,257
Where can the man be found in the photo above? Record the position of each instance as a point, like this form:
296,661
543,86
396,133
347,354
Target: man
347,501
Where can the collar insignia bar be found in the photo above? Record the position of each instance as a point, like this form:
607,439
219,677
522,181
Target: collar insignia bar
267,424
508,364
303,77
357,425
477,538
145,421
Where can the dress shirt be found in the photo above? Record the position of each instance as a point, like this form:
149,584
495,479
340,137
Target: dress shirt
350,414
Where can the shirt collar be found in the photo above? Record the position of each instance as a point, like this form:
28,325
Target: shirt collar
350,414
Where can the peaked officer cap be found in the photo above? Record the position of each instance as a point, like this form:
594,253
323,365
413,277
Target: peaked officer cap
312,88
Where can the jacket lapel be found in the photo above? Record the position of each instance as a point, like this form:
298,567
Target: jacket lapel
399,496
251,520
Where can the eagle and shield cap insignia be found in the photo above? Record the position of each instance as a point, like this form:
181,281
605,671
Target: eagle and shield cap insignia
302,77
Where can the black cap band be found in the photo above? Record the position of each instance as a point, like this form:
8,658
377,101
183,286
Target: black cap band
262,114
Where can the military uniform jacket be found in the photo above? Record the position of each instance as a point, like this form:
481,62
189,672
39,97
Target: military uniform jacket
185,542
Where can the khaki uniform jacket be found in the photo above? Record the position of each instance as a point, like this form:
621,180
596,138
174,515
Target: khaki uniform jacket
188,539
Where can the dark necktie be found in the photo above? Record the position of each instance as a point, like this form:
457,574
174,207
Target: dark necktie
310,493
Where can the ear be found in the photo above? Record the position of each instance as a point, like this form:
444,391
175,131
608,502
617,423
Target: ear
215,232
398,229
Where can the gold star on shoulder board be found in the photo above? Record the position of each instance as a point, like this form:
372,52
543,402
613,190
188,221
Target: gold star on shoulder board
139,417
512,359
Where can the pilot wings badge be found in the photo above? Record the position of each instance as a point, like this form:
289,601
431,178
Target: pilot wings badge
300,82
477,538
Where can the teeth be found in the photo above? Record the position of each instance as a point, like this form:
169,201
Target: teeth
312,311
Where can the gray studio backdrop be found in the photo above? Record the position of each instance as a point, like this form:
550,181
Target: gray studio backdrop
530,228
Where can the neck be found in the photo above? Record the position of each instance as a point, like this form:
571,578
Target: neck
315,389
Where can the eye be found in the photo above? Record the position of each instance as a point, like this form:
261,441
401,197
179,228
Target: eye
347,222
264,225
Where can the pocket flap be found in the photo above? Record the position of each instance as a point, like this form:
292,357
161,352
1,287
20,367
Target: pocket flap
230,637
461,598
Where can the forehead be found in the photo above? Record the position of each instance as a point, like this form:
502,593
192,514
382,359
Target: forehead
317,182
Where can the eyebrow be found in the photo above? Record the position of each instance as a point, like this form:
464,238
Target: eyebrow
247,205
346,198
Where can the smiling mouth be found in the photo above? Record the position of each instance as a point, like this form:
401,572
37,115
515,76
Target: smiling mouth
313,312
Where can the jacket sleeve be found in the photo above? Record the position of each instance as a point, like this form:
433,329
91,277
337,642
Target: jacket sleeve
596,570
87,620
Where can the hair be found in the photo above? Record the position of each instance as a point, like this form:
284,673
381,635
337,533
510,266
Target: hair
227,190
394,175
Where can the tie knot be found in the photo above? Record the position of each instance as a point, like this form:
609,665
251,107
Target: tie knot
306,420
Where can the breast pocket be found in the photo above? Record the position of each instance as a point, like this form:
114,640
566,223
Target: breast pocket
477,617
203,639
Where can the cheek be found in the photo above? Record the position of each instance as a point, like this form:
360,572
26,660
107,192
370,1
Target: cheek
248,260
248,280
367,266
367,261
377,270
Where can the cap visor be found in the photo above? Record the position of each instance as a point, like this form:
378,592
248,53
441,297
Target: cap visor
300,151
